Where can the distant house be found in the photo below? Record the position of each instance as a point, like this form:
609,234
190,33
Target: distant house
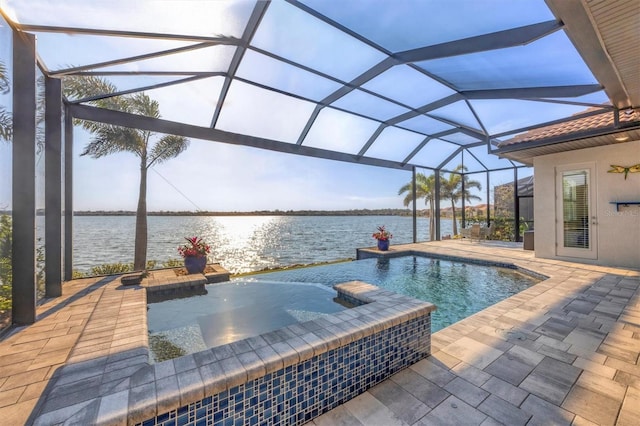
479,210
503,199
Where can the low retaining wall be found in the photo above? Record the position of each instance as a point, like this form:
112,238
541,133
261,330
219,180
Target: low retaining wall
294,374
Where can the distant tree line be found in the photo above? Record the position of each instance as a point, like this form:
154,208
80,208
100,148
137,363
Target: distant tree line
353,212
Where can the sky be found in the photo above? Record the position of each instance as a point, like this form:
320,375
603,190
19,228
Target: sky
221,177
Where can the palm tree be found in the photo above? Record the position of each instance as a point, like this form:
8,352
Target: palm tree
5,116
451,189
109,139
425,188
468,184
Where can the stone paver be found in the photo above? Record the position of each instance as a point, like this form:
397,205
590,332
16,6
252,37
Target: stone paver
630,412
404,405
454,412
551,380
472,352
466,391
504,412
565,351
592,406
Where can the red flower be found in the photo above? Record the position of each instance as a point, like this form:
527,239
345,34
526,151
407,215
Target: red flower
195,247
382,234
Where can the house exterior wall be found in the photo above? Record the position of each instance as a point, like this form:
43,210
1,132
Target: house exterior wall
618,232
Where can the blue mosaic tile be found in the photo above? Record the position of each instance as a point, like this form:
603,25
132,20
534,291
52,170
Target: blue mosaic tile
298,393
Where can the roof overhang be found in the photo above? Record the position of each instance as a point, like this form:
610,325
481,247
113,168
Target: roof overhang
526,151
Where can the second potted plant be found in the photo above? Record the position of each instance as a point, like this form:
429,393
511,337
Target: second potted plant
383,236
194,253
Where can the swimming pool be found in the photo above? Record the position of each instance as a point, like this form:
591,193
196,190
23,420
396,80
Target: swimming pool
458,289
250,306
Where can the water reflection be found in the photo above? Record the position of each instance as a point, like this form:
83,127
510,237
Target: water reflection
382,264
246,241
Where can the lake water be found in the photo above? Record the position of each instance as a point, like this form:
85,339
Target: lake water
240,243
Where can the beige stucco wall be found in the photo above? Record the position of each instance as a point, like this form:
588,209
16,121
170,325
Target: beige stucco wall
618,233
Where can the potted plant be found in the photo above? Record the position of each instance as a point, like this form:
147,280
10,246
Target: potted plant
383,236
194,253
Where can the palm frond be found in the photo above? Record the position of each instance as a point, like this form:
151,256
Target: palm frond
469,197
425,189
408,199
167,147
111,139
142,104
407,187
81,87
468,183
6,124
5,86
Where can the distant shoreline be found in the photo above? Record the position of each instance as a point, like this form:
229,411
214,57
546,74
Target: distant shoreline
355,212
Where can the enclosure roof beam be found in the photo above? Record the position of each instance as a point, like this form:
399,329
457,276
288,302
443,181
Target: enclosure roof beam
138,89
372,139
254,20
425,141
449,158
131,34
371,73
426,108
493,41
121,61
533,92
118,118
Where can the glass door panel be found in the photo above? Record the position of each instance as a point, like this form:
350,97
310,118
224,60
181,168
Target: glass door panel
576,219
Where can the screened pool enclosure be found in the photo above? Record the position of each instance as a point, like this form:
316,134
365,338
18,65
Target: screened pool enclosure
420,86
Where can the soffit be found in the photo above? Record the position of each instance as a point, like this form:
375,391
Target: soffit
526,154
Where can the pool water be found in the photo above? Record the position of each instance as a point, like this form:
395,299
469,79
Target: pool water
233,311
457,289
251,306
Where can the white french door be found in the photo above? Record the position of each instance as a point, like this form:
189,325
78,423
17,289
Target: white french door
576,221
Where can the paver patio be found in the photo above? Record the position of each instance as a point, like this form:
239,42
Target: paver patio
564,351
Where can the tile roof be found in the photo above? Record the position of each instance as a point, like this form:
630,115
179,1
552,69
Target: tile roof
602,121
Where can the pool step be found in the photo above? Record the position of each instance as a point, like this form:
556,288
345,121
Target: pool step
167,282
